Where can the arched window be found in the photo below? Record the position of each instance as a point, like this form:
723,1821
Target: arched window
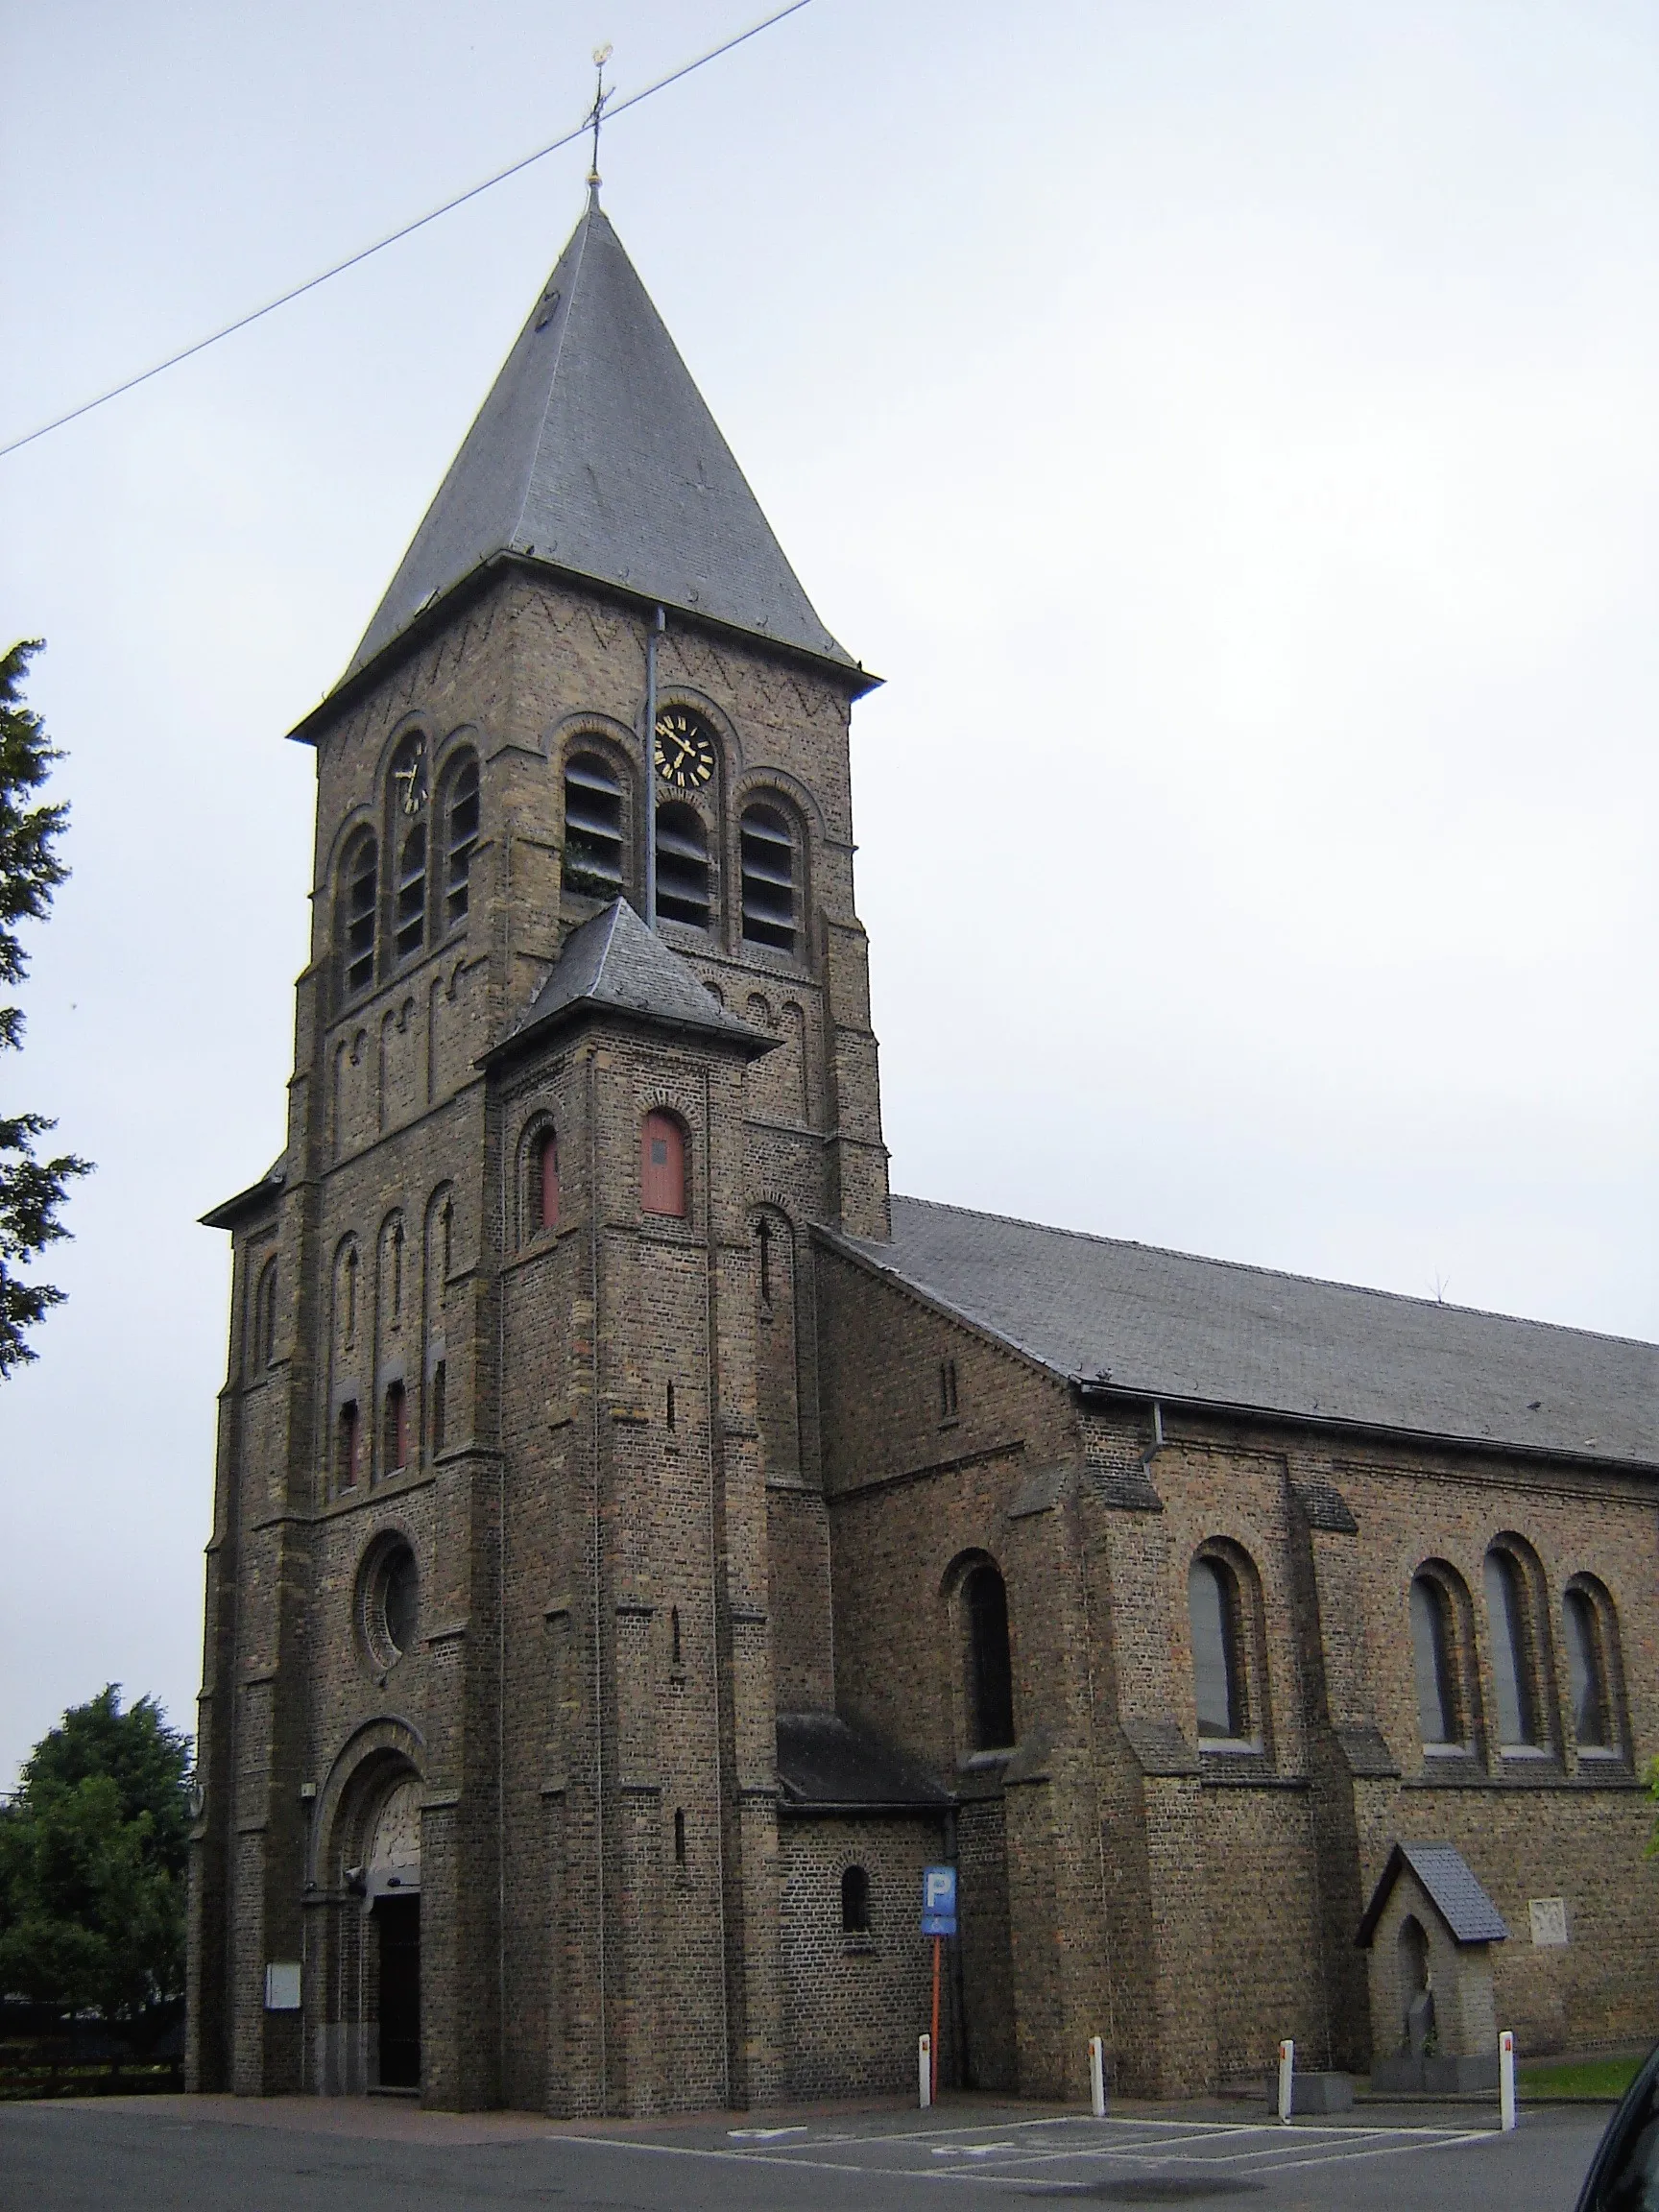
395,1430
682,865
1583,1621
359,890
592,827
766,851
680,1838
662,1165
1214,1609
265,1315
460,837
542,1182
1506,1611
440,1407
1416,2006
1434,1646
989,1664
346,1445
855,1902
409,919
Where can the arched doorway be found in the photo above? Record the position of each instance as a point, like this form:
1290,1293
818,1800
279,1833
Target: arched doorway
392,1896
366,1893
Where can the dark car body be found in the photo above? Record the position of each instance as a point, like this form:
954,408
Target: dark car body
1624,2175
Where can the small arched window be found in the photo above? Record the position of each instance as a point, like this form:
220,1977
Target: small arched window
541,1190
990,1662
346,1445
1212,1609
1507,1613
395,1430
1433,1644
1587,1671
855,1902
680,1838
662,1167
766,851
592,827
359,891
265,1317
440,1414
409,922
682,865
460,837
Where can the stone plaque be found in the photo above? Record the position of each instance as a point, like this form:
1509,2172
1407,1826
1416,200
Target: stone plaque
1549,1916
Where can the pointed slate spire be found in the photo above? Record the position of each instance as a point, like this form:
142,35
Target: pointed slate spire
595,453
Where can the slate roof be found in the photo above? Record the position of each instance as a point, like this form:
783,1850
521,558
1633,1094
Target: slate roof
1450,1881
595,451
257,1195
828,1764
613,963
1168,1325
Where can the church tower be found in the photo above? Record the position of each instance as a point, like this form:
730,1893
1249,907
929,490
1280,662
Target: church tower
520,1543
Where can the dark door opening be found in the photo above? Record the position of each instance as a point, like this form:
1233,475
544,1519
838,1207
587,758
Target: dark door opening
398,1922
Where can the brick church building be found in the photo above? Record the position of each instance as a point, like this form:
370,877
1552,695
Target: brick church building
640,1542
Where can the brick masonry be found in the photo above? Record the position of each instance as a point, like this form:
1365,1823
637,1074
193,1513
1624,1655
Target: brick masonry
666,1478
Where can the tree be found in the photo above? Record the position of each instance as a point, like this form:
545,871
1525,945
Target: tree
30,1190
92,1853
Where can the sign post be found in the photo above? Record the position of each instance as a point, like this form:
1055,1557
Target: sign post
938,1920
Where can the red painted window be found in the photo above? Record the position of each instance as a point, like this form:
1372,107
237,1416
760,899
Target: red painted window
545,1183
394,1441
662,1165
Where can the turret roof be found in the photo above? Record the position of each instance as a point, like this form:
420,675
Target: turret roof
612,964
595,453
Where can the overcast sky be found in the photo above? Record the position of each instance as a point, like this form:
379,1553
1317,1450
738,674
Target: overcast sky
1228,427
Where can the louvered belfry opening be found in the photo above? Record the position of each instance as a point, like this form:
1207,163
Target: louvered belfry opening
410,919
682,893
767,852
461,833
592,827
362,885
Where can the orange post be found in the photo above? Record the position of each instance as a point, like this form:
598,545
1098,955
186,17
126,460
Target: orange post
934,2047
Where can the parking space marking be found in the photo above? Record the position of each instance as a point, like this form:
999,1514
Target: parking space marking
966,2153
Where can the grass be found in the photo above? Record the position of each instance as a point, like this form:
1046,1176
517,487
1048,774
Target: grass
1592,2078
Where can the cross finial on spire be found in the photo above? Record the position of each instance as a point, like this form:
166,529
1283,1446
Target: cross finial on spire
596,116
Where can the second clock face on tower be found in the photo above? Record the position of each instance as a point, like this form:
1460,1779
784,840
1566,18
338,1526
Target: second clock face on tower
684,750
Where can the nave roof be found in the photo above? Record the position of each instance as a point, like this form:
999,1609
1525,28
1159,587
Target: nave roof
1169,1325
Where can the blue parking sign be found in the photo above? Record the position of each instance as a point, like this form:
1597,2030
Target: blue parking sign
938,1900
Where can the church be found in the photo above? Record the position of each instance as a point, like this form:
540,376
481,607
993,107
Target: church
641,1542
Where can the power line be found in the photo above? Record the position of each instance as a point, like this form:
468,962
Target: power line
612,107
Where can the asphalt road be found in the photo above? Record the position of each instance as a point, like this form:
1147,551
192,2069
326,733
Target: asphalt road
210,2154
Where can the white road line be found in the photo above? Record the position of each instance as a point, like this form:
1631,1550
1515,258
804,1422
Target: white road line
1381,2150
794,2158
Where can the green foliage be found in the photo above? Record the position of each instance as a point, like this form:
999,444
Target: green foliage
92,1854
31,1189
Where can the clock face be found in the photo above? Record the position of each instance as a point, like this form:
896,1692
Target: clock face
410,781
684,750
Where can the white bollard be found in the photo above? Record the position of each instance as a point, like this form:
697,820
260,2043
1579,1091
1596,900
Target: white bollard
925,2069
1286,2080
1506,2082
1097,2076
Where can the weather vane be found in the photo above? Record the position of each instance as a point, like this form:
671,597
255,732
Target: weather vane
596,116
